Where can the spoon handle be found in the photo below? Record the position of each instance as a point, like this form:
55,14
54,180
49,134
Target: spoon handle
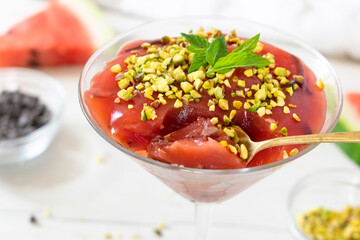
347,137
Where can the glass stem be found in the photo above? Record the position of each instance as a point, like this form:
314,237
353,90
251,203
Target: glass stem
203,212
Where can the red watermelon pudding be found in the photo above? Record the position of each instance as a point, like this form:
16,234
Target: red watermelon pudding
175,99
66,32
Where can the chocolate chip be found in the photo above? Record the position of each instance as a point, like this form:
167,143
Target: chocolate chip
33,219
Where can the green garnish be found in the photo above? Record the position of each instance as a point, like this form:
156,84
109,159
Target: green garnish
215,54
255,107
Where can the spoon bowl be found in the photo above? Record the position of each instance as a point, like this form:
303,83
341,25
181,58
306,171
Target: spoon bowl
255,147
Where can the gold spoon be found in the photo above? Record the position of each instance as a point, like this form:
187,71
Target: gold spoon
255,147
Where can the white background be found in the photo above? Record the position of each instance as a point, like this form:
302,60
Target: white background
88,199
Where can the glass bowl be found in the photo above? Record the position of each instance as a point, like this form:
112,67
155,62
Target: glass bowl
50,93
331,189
204,185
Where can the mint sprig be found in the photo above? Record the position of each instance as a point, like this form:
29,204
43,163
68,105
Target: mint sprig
215,54
217,49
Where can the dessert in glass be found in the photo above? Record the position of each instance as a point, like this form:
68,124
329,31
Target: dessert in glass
168,101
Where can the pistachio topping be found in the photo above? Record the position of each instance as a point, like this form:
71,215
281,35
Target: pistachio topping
320,84
283,131
331,224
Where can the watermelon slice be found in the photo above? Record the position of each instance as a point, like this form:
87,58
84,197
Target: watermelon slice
350,121
66,32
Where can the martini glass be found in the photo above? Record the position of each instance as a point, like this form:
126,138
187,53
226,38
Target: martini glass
202,186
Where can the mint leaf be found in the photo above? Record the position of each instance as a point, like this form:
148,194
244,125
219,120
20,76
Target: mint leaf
238,59
255,107
217,49
199,60
196,41
249,45
195,49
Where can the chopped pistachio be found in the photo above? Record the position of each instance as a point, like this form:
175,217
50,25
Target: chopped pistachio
130,106
241,83
286,110
152,49
279,71
285,154
178,59
166,63
186,86
208,84
273,126
295,86
283,131
237,104
148,93
198,83
218,93
230,132
290,91
161,84
280,101
296,117
319,84
299,79
226,83
240,93
226,119
292,105
124,95
195,94
178,104
261,111
279,93
258,48
248,72
243,152
178,94
232,114
229,73
214,120
124,83
116,68
233,149
268,111
164,55
254,107
179,75
145,45
255,87
224,143
148,113
223,104
273,103
293,151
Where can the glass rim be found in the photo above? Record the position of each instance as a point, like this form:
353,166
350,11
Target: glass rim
208,171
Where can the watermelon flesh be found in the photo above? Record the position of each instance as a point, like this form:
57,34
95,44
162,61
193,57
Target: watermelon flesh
350,121
55,36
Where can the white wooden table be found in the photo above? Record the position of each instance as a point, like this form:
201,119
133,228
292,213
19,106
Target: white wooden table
87,199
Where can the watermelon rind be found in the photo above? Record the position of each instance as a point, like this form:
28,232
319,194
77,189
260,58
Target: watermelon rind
92,18
349,121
